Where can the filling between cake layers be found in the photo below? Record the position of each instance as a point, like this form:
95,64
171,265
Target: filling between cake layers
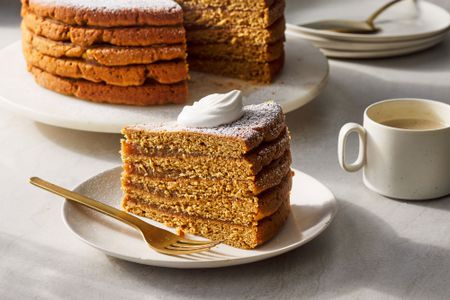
133,75
248,36
239,210
197,188
170,165
119,36
237,51
102,54
245,70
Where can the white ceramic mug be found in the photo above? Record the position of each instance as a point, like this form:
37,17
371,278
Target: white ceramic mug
410,164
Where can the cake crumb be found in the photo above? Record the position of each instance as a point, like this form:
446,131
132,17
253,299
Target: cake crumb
180,232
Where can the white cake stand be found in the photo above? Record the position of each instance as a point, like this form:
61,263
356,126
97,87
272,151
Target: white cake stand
304,76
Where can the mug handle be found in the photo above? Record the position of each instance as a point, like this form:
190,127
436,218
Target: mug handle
346,130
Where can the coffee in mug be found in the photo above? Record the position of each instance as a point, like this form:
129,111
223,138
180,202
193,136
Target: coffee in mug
404,148
415,124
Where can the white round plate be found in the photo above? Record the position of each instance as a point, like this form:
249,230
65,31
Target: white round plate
303,77
313,208
320,42
379,54
402,22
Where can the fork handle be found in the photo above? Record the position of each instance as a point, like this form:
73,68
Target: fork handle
91,203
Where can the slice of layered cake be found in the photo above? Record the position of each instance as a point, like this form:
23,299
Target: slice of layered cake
221,171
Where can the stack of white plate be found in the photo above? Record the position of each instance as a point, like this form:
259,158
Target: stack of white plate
406,28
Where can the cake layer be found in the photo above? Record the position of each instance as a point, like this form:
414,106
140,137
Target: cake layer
223,17
230,52
229,4
147,94
196,188
120,36
237,35
107,13
245,211
105,55
240,236
263,72
137,160
260,123
134,75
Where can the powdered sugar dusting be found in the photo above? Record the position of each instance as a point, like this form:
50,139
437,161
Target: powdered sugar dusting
256,118
112,5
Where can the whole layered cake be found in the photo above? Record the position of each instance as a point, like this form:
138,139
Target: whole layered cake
221,171
134,51
124,52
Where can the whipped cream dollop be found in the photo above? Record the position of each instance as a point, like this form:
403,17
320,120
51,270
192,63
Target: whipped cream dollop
213,110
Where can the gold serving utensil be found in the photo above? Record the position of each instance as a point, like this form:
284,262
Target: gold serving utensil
350,26
161,240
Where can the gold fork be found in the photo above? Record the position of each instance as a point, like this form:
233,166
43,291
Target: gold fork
161,240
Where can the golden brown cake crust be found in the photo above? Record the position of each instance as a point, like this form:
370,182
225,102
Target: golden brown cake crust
104,55
268,205
147,94
271,225
120,36
134,75
104,14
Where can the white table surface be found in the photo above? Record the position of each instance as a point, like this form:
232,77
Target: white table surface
376,248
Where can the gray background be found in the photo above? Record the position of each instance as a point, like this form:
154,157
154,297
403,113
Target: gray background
376,248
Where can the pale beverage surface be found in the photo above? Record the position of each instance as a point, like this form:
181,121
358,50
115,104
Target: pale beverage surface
417,124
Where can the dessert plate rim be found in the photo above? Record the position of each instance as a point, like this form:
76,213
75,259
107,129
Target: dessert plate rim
302,79
335,53
313,209
355,46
